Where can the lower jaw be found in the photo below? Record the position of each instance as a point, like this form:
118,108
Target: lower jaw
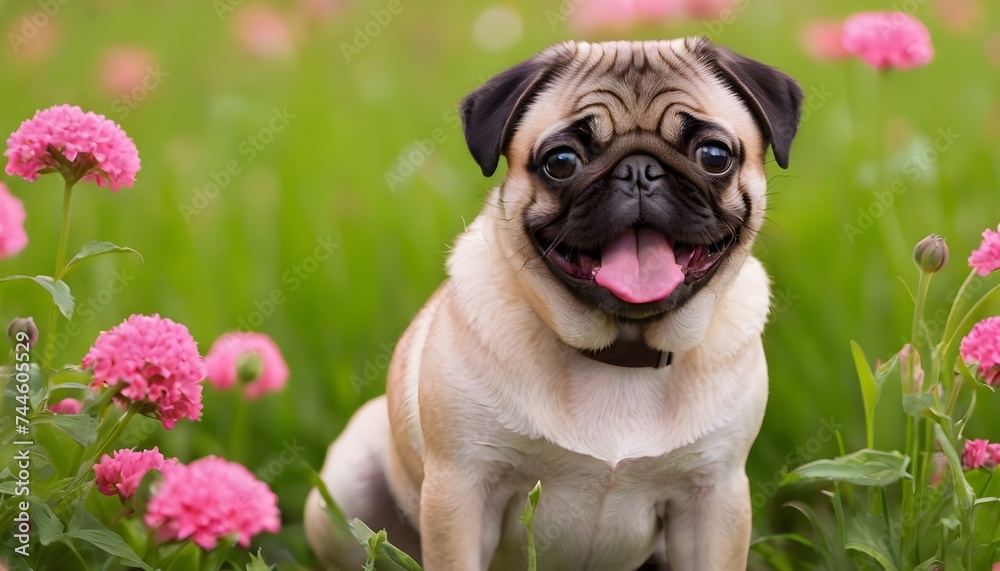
602,299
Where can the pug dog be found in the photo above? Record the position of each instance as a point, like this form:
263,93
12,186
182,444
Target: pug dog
599,330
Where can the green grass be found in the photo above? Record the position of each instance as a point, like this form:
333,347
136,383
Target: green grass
323,178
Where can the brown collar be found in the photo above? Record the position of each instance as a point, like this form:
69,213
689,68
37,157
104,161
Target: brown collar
634,354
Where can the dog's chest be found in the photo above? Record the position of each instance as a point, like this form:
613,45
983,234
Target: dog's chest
591,516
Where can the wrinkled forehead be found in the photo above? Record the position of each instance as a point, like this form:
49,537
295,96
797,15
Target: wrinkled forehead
629,86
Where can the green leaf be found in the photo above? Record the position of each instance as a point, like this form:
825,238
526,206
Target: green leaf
95,248
367,538
919,405
257,563
966,495
14,560
79,427
216,557
109,542
963,369
69,386
333,510
784,537
184,557
824,545
8,487
973,378
45,520
84,526
57,288
528,519
863,468
868,535
869,391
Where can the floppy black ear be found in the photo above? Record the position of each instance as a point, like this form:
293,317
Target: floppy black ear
775,98
490,113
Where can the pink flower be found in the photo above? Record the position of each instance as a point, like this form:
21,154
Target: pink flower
123,473
708,9
158,362
66,406
13,238
982,346
959,15
888,39
986,258
992,456
263,32
599,14
228,355
124,68
620,14
94,148
322,9
940,462
30,43
974,454
211,498
822,40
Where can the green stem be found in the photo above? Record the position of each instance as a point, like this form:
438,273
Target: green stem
968,314
918,319
151,547
83,562
100,406
237,429
116,431
954,308
126,510
913,426
889,228
225,546
50,331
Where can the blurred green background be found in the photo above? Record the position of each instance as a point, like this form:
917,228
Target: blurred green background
360,147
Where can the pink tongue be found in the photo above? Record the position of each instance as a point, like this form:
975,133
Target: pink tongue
639,266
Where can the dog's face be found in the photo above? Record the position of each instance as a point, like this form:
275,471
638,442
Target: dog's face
635,170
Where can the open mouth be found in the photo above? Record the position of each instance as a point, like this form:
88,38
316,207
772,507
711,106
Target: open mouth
640,265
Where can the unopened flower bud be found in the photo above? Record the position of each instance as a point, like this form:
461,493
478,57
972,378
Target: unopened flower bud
931,254
249,367
918,371
23,330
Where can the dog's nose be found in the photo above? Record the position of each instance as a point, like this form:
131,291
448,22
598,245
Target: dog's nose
639,170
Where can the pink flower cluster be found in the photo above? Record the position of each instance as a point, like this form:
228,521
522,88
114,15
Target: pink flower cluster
158,363
13,238
986,258
982,346
980,453
883,40
209,499
822,39
888,39
597,14
205,500
85,139
223,360
122,473
66,406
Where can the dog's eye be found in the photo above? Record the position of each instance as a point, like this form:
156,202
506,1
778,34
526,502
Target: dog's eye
561,164
714,157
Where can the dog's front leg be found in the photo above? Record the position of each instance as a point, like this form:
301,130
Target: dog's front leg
709,529
459,530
